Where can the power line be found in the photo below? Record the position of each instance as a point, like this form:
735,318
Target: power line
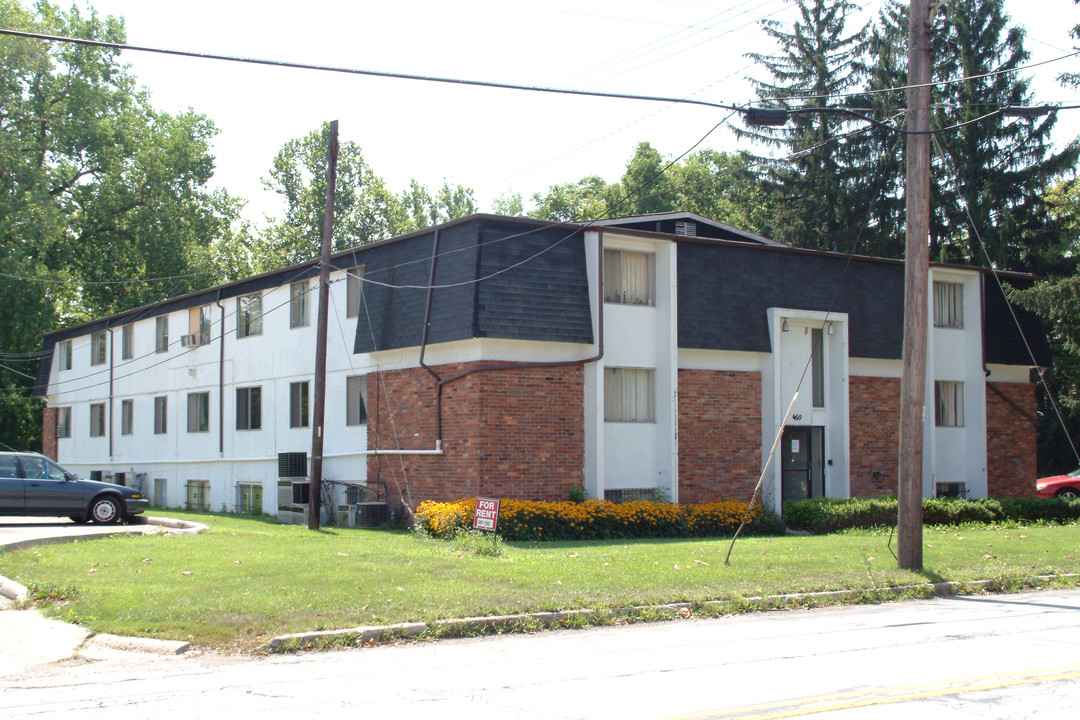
357,71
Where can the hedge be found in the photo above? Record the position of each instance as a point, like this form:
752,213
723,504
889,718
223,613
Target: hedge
599,519
825,515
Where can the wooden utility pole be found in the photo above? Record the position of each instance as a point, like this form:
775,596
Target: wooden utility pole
916,271
318,411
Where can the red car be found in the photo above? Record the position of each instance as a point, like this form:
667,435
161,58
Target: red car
1062,486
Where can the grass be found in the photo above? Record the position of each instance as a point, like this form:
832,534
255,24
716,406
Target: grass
249,579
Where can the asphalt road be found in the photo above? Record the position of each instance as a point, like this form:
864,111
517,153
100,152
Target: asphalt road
1002,656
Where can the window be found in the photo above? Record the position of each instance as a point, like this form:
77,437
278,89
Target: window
198,412
353,290
199,325
127,417
356,400
298,404
948,404
127,342
628,395
248,316
198,495
65,354
97,420
817,367
249,408
161,489
63,422
98,348
249,498
948,305
37,468
161,334
629,277
298,304
161,405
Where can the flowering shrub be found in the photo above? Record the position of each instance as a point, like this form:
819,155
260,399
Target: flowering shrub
599,519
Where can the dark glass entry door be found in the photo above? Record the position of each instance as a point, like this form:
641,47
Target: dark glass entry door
802,463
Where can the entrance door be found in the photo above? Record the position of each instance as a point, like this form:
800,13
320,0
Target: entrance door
802,463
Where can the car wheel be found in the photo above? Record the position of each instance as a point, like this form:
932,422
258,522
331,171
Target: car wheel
105,511
1068,493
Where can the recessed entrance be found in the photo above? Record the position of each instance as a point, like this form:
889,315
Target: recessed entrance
802,463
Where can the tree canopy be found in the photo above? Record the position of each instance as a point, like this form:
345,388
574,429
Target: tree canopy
103,198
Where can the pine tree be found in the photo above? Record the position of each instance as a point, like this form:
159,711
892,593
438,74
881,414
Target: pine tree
812,66
990,166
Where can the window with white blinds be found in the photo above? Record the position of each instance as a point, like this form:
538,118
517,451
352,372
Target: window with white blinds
629,395
629,277
948,305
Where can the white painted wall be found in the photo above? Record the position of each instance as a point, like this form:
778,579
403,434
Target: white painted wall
956,454
272,360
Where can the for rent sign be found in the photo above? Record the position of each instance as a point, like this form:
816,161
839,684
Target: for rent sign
486,516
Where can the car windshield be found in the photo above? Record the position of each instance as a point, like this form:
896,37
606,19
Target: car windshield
1075,473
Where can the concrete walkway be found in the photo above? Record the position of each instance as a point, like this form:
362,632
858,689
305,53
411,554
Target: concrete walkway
27,637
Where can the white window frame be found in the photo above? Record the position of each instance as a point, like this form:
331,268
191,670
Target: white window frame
355,400
299,405
353,290
198,412
127,341
948,403
197,495
99,348
249,315
629,395
63,422
65,354
249,496
97,420
298,304
127,417
624,283
161,415
245,418
948,304
161,334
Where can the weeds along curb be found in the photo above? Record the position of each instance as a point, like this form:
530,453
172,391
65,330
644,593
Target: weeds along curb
528,622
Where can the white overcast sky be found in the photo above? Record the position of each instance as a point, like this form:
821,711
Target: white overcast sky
491,140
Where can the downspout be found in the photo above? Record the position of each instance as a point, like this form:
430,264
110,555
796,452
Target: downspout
982,321
518,366
440,382
423,344
112,362
221,380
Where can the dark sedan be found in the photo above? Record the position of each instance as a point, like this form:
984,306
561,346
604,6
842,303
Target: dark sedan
32,484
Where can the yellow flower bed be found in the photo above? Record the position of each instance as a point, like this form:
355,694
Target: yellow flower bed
598,519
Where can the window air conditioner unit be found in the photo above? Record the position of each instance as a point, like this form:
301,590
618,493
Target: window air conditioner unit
189,340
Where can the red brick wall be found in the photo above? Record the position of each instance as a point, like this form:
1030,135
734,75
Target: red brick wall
719,434
874,422
48,433
506,433
1010,441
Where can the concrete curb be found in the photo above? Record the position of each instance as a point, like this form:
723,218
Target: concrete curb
12,590
478,625
136,644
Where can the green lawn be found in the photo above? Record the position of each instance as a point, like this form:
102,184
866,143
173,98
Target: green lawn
249,579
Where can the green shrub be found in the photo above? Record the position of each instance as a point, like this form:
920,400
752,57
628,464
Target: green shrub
826,515
600,519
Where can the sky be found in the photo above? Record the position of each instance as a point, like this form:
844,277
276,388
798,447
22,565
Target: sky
494,141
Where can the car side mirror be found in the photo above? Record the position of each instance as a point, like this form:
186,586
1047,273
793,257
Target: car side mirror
70,477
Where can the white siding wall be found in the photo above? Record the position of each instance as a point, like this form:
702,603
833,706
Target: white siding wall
279,356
